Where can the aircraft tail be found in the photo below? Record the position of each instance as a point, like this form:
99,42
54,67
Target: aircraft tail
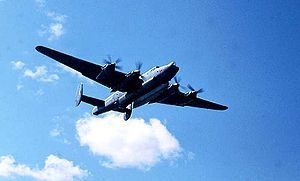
90,100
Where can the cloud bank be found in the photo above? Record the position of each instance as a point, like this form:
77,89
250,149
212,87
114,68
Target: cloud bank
132,143
55,169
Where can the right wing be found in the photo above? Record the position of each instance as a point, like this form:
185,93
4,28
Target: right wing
86,68
177,98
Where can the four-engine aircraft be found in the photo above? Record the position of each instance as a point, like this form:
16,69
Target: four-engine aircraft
133,89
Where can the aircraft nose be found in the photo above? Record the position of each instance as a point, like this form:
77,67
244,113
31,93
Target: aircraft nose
172,63
172,66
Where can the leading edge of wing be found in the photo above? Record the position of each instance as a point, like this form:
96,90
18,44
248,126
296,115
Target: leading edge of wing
65,59
201,103
178,98
86,68
81,66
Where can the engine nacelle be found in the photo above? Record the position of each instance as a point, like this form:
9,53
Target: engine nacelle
133,74
131,82
191,94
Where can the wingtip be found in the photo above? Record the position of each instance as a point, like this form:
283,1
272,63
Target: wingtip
38,48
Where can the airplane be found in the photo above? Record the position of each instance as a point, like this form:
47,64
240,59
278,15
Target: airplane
133,89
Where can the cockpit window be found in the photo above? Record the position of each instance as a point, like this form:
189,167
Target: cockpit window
154,68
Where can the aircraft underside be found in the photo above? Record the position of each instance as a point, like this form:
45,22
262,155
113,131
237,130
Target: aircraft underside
133,89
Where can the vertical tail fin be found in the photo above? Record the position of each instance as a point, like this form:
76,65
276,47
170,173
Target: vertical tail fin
79,94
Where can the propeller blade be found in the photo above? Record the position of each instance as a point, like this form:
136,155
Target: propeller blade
200,90
109,58
177,80
118,67
138,65
196,91
105,61
118,61
190,87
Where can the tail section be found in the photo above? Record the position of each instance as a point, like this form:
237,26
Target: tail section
90,100
100,104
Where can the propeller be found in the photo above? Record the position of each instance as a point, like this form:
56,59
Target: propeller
138,65
109,60
194,90
177,80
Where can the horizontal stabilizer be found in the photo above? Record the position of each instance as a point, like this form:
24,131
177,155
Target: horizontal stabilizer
90,100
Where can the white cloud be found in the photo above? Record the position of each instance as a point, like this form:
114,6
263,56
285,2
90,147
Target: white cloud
56,17
49,78
41,73
56,31
19,87
132,143
18,65
56,28
55,132
55,169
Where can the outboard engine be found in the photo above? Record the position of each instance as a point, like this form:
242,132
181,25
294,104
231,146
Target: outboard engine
128,111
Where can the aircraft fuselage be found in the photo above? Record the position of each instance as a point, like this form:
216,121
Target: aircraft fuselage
155,83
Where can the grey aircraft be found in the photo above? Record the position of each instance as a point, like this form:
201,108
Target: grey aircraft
133,89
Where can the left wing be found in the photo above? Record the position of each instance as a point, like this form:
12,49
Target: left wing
177,98
86,68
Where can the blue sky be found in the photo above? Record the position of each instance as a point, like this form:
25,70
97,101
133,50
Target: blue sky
244,54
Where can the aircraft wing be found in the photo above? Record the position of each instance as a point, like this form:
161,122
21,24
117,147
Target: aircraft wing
177,98
86,68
